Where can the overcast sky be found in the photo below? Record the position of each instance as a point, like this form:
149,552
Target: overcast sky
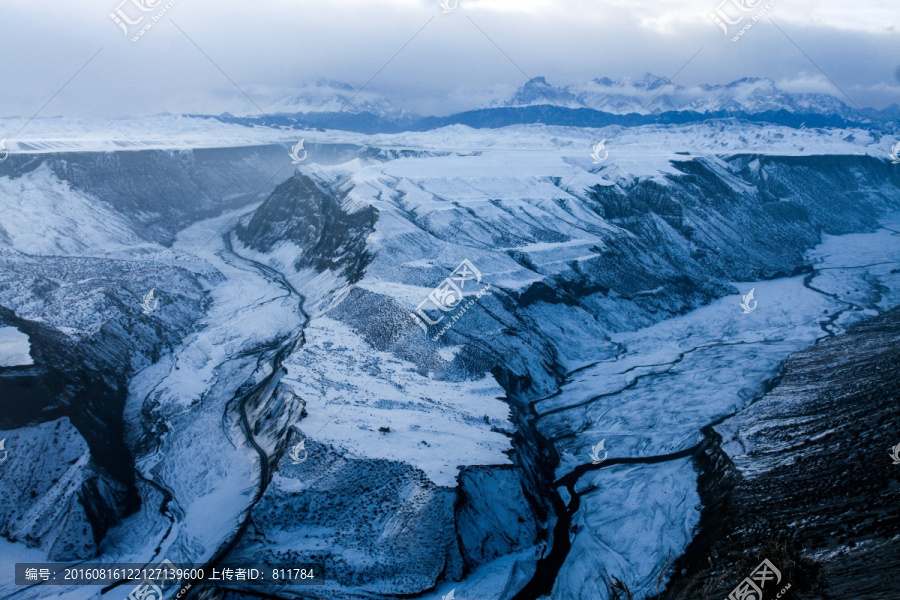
270,47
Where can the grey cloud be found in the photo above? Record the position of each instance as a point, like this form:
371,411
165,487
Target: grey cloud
270,48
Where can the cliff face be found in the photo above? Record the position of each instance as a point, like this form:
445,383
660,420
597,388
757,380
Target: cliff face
803,477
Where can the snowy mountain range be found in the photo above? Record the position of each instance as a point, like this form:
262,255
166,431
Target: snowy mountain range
600,102
326,96
652,94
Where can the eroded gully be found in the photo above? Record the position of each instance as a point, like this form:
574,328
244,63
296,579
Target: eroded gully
275,355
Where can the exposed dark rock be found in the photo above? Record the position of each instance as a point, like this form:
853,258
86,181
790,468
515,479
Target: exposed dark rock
303,212
489,529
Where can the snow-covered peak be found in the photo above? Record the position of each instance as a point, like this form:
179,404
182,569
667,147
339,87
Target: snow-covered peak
328,96
650,93
538,91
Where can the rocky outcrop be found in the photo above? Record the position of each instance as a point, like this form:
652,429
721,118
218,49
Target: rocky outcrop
303,212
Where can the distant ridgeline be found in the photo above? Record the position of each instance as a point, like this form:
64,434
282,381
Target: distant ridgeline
490,118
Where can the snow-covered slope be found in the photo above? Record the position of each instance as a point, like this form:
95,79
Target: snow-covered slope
15,351
176,135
